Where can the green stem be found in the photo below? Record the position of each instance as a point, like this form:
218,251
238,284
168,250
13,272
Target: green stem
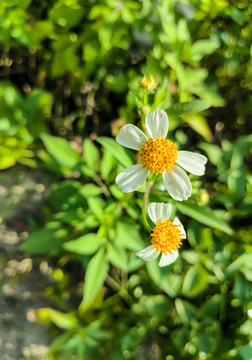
145,201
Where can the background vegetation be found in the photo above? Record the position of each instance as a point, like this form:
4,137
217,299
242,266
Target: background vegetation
72,73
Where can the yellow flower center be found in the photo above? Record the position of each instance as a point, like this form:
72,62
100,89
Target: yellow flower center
158,155
166,237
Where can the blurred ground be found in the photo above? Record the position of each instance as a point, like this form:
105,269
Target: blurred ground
22,281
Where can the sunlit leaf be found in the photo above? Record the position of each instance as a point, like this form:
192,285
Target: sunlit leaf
122,155
61,150
204,215
96,273
84,245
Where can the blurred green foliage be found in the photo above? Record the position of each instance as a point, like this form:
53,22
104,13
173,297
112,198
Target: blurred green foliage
73,71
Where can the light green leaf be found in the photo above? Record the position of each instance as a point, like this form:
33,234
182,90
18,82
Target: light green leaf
203,47
127,235
90,190
195,281
204,215
117,256
91,155
122,155
199,124
108,164
64,321
96,205
96,273
61,151
84,245
188,107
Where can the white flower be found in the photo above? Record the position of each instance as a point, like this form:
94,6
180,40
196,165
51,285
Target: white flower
166,235
160,156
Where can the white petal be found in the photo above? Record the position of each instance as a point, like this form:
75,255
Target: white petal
157,124
192,162
169,258
131,137
131,178
177,183
180,227
159,212
149,253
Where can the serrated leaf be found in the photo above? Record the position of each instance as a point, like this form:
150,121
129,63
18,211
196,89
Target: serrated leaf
122,155
204,215
84,245
188,107
96,273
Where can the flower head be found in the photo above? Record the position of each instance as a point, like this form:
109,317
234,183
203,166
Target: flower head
166,235
160,156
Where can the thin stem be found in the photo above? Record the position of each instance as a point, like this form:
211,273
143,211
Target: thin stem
145,201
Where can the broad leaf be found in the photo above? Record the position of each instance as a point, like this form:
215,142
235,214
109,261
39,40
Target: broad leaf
61,151
96,273
122,155
84,245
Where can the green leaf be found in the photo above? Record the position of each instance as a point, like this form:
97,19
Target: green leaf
203,47
204,215
84,245
212,306
117,256
188,107
245,351
64,61
108,164
96,205
96,273
195,281
64,321
122,155
162,276
61,151
242,263
127,235
91,155
199,124
187,312
48,239
90,190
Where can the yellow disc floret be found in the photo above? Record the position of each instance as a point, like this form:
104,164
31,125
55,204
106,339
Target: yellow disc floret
158,155
166,237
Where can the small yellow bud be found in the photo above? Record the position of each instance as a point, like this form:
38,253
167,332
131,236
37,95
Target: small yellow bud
149,83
